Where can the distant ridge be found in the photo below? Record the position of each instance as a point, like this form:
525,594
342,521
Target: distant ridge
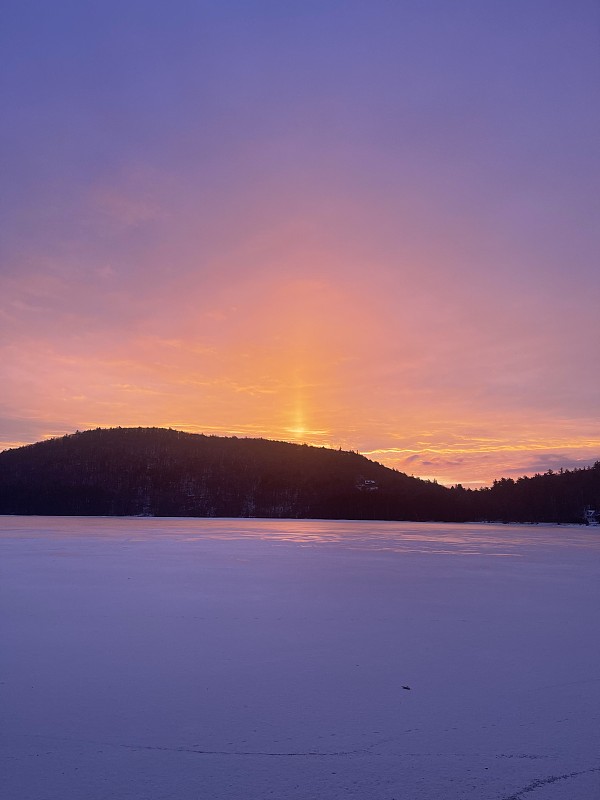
160,472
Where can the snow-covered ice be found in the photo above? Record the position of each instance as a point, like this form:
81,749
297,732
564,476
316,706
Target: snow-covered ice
146,659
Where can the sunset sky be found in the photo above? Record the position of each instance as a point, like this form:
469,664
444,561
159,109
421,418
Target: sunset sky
370,225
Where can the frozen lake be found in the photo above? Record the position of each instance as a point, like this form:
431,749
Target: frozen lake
155,659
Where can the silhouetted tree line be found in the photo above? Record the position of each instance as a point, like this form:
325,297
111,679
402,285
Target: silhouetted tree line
158,472
552,497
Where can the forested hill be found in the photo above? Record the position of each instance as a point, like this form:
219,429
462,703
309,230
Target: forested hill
160,472
153,471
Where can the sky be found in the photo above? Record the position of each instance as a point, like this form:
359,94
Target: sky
368,225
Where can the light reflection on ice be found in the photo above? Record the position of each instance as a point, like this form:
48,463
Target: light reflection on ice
151,658
471,539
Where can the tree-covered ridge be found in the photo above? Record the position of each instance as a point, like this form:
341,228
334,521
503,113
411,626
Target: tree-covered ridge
131,471
552,497
162,472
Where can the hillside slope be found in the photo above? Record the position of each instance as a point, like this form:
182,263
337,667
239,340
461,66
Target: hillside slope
153,471
128,471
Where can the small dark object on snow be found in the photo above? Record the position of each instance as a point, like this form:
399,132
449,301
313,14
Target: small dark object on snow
406,687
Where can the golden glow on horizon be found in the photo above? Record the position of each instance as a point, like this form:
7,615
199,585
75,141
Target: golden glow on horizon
303,360
456,465
297,433
523,447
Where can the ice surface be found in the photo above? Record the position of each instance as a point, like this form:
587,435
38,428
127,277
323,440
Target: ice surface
146,659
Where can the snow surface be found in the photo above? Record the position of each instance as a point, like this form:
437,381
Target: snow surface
148,659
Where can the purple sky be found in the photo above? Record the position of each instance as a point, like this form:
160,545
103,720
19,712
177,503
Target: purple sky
369,225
